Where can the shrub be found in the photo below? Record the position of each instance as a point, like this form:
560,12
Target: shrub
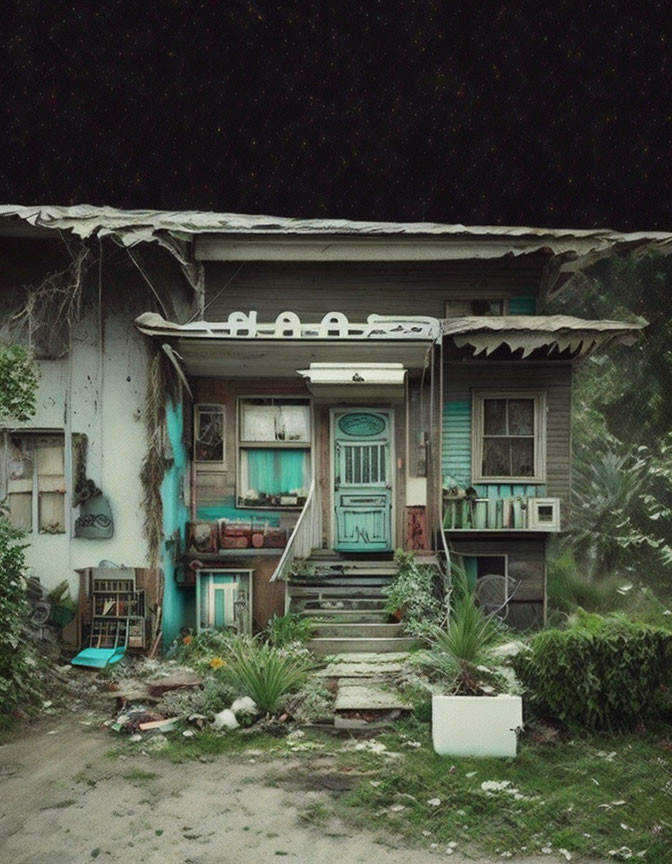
568,589
417,589
264,673
216,695
18,664
283,630
313,702
459,650
599,674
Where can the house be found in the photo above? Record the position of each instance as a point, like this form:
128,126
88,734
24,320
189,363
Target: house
240,414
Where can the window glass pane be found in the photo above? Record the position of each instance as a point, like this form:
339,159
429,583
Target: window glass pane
50,459
52,513
21,510
257,421
276,472
20,465
209,434
494,416
522,457
293,423
496,457
521,416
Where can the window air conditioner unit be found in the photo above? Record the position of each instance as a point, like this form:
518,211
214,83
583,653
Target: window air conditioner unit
543,514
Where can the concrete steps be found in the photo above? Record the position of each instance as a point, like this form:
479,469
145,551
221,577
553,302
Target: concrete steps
362,630
355,645
346,599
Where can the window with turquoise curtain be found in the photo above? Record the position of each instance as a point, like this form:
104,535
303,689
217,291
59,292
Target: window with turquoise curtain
276,471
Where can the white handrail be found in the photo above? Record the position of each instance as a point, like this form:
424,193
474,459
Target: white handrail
301,540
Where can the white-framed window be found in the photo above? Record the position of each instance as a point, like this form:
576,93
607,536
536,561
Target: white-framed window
508,436
476,306
274,451
209,434
36,482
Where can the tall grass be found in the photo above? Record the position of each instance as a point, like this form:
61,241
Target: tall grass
265,674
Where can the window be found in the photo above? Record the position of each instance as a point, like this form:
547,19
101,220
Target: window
36,482
274,452
463,307
209,433
509,431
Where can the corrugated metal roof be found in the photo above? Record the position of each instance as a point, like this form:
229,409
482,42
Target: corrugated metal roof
86,221
528,333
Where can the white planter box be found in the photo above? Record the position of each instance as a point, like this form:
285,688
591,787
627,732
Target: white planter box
476,725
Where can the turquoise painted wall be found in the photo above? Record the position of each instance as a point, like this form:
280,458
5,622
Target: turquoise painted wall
178,603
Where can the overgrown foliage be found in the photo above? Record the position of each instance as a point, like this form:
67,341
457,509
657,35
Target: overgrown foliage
567,588
264,673
17,660
598,674
283,630
622,416
18,375
417,590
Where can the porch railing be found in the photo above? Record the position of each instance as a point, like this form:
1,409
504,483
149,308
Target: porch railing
304,537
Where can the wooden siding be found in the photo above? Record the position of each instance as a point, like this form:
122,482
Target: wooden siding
362,288
555,379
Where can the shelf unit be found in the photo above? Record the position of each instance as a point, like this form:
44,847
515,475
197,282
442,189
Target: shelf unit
117,606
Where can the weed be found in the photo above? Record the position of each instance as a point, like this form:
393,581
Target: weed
136,775
315,813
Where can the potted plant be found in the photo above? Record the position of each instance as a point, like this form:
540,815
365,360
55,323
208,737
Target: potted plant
476,717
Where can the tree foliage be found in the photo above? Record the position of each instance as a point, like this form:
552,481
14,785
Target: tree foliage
622,472
19,383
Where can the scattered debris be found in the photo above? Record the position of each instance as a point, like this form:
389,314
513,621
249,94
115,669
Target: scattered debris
226,719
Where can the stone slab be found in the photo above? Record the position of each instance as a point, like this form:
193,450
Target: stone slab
368,696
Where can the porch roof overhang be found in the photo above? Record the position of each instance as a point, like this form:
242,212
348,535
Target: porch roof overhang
242,348
554,333
356,380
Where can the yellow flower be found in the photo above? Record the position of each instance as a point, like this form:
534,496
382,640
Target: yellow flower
217,663
187,640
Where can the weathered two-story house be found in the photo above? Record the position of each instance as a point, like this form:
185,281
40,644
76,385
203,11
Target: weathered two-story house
240,399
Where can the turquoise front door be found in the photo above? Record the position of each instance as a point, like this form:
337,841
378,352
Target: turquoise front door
362,480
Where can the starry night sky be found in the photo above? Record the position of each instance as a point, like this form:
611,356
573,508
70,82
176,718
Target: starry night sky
479,112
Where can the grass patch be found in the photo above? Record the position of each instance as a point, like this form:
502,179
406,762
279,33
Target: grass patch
315,813
588,796
136,775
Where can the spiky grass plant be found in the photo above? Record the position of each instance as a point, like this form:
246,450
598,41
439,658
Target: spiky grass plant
458,650
265,674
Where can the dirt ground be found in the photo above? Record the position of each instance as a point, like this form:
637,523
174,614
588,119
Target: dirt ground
62,800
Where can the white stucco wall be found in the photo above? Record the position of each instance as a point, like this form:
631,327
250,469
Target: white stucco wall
106,402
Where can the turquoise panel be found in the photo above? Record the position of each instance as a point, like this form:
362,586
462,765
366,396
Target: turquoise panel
220,609
457,443
276,471
523,306
227,510
178,603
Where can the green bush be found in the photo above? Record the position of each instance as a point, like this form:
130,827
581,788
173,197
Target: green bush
417,589
567,589
283,630
18,664
264,672
599,674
